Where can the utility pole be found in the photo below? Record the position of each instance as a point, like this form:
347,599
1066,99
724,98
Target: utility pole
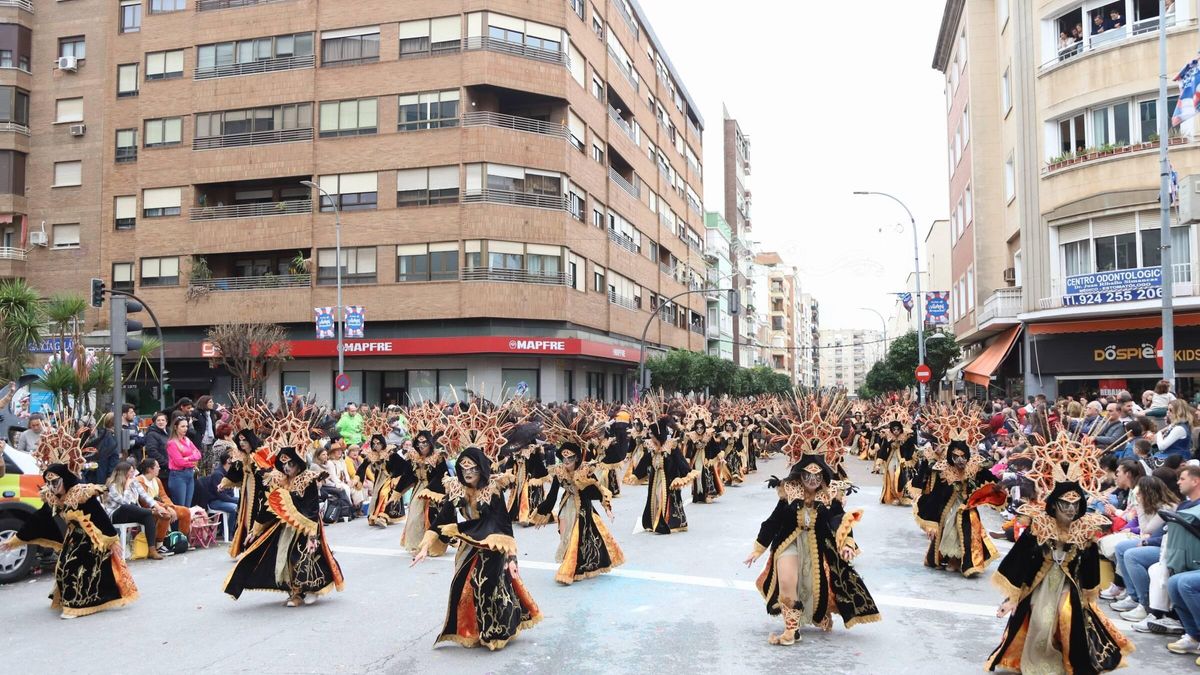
1164,205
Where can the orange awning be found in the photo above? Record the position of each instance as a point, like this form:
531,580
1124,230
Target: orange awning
1121,323
980,370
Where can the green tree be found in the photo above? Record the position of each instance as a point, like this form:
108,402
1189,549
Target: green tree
898,368
22,320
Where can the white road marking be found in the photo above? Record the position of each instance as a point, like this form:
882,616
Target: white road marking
708,582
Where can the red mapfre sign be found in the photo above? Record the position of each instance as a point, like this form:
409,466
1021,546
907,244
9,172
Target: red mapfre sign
491,344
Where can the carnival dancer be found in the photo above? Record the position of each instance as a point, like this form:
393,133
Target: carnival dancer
637,440
665,471
251,461
291,556
586,548
383,466
1051,577
708,461
90,575
745,431
421,470
735,454
608,467
949,512
489,604
524,459
809,577
896,448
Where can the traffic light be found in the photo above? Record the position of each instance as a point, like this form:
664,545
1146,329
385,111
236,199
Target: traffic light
97,292
735,301
120,326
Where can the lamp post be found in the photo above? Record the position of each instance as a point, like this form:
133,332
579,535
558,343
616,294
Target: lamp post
917,280
882,322
337,225
938,336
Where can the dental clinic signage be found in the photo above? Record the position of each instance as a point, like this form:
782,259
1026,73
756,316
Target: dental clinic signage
1098,288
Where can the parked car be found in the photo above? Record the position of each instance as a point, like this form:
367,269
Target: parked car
19,499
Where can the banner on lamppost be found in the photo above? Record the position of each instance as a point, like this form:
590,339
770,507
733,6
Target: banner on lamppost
937,308
324,319
356,320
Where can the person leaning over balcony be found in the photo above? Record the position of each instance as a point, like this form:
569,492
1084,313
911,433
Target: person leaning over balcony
1115,20
182,457
1098,23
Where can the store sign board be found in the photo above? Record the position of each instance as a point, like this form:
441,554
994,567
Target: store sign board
1116,352
1098,288
465,345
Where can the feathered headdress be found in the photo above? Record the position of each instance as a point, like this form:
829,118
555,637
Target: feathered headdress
476,428
61,445
583,430
960,424
813,428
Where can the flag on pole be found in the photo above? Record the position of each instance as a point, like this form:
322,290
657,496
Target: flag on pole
356,320
324,319
1185,108
906,299
1173,190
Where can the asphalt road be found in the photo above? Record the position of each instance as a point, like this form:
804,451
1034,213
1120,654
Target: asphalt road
681,603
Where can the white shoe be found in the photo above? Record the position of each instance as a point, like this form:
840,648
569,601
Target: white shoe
1166,626
1136,614
64,616
1125,605
1143,626
1112,592
310,598
1185,645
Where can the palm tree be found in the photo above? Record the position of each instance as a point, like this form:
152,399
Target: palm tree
142,363
21,326
65,312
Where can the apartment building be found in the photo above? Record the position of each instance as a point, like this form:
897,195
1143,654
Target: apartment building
736,164
517,185
721,275
847,357
1077,130
808,341
777,286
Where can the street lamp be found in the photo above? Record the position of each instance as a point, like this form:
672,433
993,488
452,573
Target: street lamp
917,279
882,322
337,223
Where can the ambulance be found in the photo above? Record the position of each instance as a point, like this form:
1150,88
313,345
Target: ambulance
19,500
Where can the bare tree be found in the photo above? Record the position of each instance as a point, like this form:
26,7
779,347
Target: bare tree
248,351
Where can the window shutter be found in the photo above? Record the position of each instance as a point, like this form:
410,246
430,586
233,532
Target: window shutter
443,177
126,207
161,198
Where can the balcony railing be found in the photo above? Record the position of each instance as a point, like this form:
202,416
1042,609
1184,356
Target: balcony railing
12,253
525,124
512,276
623,241
625,126
1108,38
696,328
262,210
666,269
14,127
633,27
251,138
625,185
1005,303
622,301
625,70
516,49
511,198
1184,284
694,206
256,67
267,282
209,5
19,4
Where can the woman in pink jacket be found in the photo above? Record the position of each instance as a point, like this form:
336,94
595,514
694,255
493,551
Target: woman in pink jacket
182,457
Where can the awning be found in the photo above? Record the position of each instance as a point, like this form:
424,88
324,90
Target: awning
981,369
1123,323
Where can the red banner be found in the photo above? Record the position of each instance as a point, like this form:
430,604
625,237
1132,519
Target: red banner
1113,387
449,346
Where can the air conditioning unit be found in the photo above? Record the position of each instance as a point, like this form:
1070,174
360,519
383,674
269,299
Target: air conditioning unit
78,129
38,238
67,63
1010,275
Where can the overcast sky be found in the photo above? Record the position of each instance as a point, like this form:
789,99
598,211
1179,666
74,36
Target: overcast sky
833,103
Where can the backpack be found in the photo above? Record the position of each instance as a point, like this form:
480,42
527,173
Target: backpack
333,511
176,542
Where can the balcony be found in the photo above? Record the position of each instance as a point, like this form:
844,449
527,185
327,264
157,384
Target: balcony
252,138
19,4
266,282
624,183
1108,152
523,124
514,276
625,70
14,127
633,27
622,301
12,253
210,5
623,241
257,210
512,198
1184,285
256,67
1003,305
624,126
1100,41
515,49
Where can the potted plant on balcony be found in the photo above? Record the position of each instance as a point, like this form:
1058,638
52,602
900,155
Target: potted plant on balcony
199,279
299,264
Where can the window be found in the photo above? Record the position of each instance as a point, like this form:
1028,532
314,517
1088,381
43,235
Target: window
161,202
1181,249
160,271
68,110
1071,135
597,88
358,266
125,212
1110,125
598,216
353,192
1006,91
968,206
65,235
126,145
350,46
164,6
14,105
429,110
15,42
131,16
72,46
970,288
577,5
512,379
427,262
12,172
966,126
122,276
598,153
598,279
1077,257
164,65
1118,252
355,117
1148,117
1010,179
217,125
163,132
427,187
430,36
68,174
224,59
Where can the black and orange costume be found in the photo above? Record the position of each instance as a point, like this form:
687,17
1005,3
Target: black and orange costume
383,465
251,463
420,470
637,441
666,472
949,512
1051,577
90,575
608,466
895,453
735,453
707,457
523,458
291,555
746,431
488,603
